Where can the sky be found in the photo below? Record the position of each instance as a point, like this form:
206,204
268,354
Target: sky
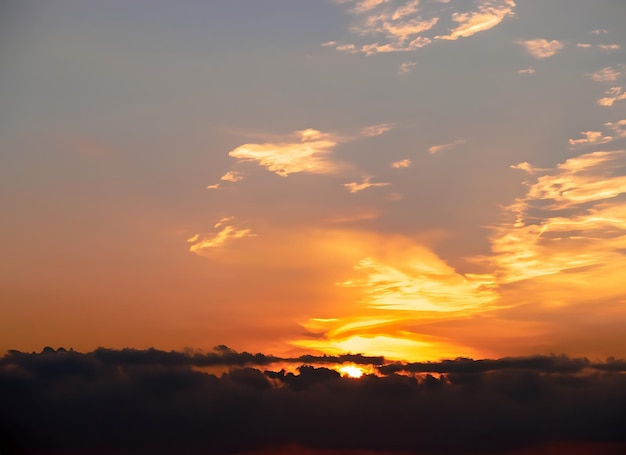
316,227
411,179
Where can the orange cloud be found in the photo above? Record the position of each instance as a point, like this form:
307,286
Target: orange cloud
591,138
607,74
541,48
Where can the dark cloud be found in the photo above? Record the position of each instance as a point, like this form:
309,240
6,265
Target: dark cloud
135,402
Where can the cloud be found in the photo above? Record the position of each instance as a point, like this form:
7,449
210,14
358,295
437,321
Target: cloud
607,74
150,401
571,220
609,47
445,147
583,45
541,48
355,187
591,138
311,154
529,70
391,26
232,176
489,14
600,31
618,128
227,233
401,164
405,68
376,130
614,94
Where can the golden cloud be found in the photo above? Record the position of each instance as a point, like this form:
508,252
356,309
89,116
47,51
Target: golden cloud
571,217
614,94
401,27
311,154
489,14
225,234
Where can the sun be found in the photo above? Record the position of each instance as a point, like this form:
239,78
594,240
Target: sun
351,371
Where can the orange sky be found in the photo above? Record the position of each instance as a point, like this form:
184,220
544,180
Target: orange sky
418,180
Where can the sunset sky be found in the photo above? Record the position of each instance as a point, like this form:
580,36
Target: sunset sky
411,179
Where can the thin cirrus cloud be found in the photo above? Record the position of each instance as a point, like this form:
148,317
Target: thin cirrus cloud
542,48
445,147
225,233
355,187
529,70
571,217
388,26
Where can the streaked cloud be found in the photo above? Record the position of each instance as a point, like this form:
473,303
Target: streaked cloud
401,164
591,138
571,217
488,15
225,233
376,130
583,45
310,154
445,147
213,186
355,187
542,48
613,94
609,47
600,31
529,70
405,68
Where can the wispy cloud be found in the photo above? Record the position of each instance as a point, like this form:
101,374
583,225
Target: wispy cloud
401,164
405,68
570,218
542,48
609,47
224,233
376,130
232,176
310,154
591,138
388,26
488,15
529,70
355,187
613,94
445,147
607,74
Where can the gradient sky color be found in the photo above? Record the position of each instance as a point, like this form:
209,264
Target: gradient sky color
416,179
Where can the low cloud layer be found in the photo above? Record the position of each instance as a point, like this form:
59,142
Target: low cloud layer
150,401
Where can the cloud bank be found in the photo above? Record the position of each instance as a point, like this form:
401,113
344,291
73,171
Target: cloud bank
151,401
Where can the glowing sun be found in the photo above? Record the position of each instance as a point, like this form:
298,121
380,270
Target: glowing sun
351,371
